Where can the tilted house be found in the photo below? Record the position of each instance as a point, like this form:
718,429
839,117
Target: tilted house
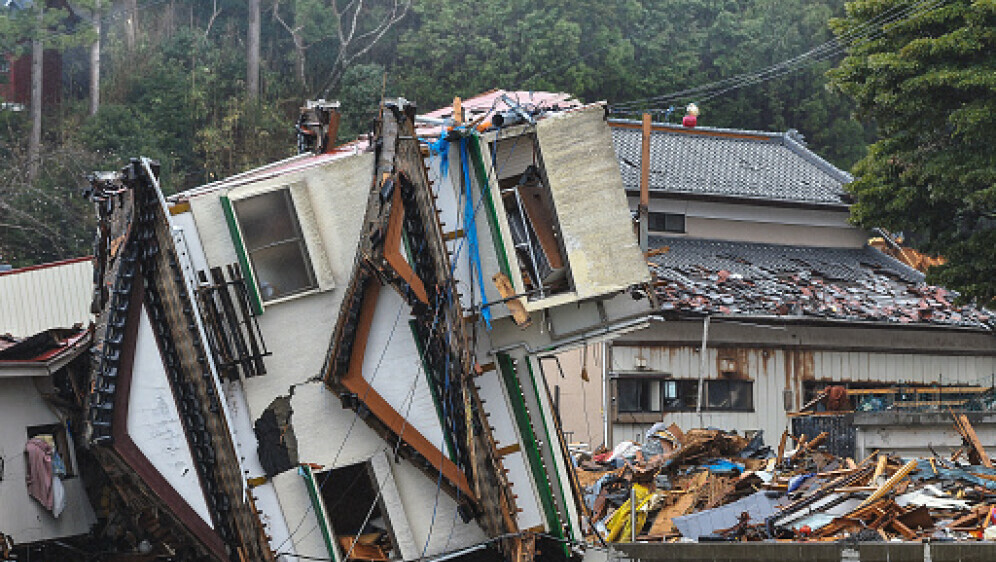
359,334
766,296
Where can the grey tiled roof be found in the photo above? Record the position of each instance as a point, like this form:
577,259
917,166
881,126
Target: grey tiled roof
720,162
853,284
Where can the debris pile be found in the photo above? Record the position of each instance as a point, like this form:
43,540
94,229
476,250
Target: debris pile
710,485
854,284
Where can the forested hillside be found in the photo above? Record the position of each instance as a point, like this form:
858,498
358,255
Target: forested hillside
175,81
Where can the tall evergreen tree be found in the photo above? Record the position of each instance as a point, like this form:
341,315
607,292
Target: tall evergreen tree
928,81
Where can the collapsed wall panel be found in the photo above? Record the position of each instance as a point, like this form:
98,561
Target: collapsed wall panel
583,175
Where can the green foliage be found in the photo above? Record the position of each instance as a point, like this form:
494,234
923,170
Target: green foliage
631,49
178,95
929,84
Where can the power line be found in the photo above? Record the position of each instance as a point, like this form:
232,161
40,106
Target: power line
859,32
859,35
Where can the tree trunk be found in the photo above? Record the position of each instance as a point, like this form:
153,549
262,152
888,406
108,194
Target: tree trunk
95,61
252,74
37,78
131,23
299,61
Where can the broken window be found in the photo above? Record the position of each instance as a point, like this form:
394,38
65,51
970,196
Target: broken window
356,512
666,222
532,217
680,395
275,245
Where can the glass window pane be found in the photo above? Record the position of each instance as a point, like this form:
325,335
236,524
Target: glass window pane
267,218
674,222
629,394
282,269
742,395
730,395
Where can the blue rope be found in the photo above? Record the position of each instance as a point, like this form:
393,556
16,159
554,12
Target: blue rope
470,230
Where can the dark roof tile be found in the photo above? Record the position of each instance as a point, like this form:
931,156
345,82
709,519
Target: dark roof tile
719,162
854,284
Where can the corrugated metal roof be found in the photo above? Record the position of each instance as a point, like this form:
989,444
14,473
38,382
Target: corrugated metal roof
727,162
56,295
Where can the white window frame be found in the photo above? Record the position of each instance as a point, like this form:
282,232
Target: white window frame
314,246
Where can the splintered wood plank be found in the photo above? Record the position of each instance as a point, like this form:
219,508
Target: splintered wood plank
663,525
879,468
515,305
781,448
969,433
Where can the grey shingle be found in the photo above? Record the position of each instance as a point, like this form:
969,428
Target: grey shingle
705,161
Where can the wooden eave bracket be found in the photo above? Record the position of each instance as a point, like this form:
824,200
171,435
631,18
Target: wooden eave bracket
392,248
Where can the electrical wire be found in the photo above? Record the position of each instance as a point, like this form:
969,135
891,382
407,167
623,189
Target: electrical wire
862,31
485,191
859,35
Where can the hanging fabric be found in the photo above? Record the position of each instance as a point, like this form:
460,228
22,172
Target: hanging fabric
39,474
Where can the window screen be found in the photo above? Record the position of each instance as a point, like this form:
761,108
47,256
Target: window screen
275,245
666,222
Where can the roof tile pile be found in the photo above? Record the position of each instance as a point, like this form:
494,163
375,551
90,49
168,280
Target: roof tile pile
720,277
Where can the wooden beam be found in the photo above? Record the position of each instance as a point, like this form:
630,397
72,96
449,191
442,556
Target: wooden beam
890,483
515,305
968,432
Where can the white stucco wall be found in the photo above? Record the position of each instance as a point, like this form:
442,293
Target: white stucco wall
155,426
298,332
21,516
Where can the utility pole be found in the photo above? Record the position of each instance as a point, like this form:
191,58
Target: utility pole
643,209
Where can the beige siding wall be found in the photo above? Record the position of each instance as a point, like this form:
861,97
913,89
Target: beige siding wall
777,357
779,376
56,296
765,224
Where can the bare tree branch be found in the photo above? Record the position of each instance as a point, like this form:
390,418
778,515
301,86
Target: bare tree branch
214,15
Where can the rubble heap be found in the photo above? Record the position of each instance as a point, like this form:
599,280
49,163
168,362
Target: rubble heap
710,485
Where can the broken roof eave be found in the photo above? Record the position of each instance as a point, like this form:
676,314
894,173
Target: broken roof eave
289,165
50,361
816,321
656,193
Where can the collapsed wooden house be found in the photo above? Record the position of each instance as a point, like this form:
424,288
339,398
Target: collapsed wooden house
340,355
